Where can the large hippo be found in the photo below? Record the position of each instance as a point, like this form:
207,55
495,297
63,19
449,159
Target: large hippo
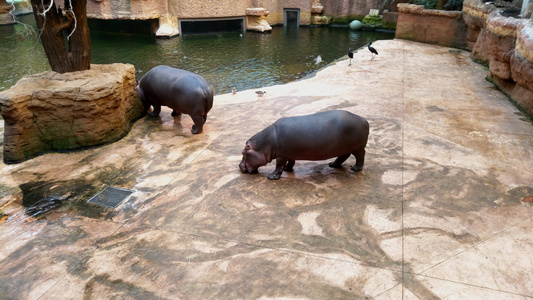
319,136
181,90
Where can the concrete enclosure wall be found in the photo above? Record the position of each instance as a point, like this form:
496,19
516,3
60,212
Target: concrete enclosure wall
195,9
445,28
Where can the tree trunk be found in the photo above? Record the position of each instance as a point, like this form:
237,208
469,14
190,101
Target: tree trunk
65,54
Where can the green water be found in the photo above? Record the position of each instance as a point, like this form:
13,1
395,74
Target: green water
225,60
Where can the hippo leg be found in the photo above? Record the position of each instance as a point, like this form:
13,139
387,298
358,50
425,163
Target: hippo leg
290,166
175,113
198,124
157,110
280,165
359,160
338,162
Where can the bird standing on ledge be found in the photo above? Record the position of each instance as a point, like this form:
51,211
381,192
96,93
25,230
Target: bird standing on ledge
373,50
350,55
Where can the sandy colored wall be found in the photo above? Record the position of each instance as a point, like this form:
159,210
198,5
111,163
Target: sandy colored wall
342,8
125,9
194,9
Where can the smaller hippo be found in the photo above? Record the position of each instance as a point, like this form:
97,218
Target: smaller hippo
181,90
319,136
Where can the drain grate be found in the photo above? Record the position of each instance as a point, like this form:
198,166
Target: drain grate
110,197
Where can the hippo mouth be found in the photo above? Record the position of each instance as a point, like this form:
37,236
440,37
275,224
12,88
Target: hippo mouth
245,168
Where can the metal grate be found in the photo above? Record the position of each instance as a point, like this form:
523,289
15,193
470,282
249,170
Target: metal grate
110,197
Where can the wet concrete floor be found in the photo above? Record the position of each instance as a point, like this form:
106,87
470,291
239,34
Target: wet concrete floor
440,211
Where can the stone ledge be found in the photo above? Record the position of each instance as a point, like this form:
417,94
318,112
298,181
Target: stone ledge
500,25
524,41
256,11
54,112
439,27
317,9
419,9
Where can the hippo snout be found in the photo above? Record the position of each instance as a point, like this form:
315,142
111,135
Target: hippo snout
246,168
242,166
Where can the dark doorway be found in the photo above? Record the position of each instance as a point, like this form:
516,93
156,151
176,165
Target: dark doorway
122,26
195,26
291,17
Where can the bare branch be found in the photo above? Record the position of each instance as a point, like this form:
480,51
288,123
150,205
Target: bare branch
75,20
49,7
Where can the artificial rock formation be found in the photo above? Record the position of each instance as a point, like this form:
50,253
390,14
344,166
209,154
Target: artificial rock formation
499,42
50,111
168,27
256,19
521,64
505,43
445,28
475,14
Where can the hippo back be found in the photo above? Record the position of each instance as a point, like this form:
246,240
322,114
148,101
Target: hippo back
320,136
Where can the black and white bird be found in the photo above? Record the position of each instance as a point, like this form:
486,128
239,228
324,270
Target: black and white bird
350,55
260,93
373,50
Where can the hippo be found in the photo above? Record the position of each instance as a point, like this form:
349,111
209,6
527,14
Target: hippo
319,136
181,90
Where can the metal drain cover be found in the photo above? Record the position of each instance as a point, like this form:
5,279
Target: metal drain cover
110,197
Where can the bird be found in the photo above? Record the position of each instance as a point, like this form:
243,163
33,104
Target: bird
350,55
234,90
318,60
260,93
373,50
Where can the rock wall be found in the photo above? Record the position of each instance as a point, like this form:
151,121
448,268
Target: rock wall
504,42
475,14
514,73
499,42
53,112
445,28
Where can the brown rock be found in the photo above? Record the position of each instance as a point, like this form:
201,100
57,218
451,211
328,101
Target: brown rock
479,50
51,111
499,42
522,71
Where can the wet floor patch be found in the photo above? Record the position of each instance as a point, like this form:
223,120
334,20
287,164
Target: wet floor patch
44,205
110,197
42,198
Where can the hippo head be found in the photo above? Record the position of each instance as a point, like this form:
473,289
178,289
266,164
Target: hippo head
145,102
252,159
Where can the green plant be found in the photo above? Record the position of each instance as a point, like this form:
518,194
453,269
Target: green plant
372,20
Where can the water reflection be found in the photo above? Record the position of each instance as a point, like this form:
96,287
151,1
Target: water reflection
250,60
